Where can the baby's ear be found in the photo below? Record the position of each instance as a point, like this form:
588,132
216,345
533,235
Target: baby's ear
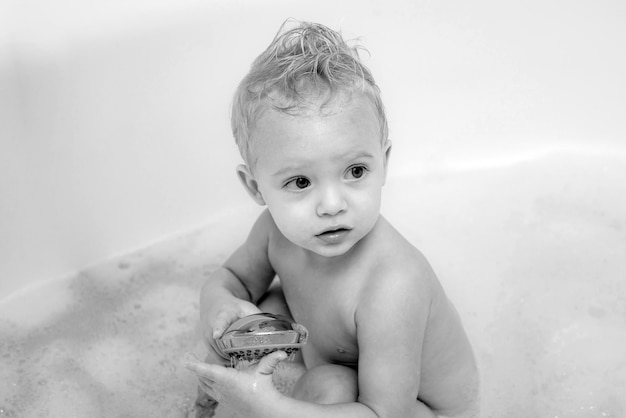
387,151
250,184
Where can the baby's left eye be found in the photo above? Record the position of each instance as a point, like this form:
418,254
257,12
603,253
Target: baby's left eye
357,171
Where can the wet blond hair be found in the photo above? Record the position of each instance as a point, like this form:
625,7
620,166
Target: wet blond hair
304,64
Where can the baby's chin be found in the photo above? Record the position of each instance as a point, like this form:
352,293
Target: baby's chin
326,250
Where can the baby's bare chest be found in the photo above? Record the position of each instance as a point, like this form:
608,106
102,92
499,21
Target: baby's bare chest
326,307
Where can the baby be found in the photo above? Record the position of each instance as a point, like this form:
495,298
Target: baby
384,340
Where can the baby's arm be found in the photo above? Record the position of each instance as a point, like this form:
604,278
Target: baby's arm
391,325
232,290
414,357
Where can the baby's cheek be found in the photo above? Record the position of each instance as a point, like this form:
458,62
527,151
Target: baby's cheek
292,225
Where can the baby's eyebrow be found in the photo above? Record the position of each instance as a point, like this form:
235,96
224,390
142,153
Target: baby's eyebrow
288,169
350,156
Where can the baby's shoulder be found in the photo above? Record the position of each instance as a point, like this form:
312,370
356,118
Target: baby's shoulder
405,274
397,257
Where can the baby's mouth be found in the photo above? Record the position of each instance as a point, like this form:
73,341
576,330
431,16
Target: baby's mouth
333,236
333,231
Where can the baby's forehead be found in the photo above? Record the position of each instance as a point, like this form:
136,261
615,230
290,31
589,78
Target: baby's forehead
343,120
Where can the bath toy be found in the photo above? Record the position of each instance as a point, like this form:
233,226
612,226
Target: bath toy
252,337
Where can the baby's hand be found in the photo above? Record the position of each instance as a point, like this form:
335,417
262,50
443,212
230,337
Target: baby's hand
241,390
226,315
229,314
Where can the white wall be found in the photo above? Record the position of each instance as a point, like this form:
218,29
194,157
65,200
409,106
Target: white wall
114,128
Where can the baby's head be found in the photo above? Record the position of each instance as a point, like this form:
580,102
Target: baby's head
307,68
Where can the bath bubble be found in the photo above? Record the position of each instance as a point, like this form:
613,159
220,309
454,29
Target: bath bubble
180,317
124,265
111,362
66,399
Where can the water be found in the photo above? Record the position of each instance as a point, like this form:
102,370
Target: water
533,255
111,348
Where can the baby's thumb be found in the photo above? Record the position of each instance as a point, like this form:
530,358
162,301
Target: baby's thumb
223,320
268,363
247,308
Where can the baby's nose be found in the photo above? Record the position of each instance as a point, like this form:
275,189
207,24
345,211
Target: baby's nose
331,202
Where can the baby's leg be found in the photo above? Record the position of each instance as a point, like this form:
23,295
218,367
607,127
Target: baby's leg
327,384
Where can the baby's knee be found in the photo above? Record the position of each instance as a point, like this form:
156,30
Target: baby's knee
327,384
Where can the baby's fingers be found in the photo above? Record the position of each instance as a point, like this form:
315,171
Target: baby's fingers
192,362
247,308
210,373
225,318
269,362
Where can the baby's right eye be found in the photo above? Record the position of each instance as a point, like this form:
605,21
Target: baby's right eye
298,183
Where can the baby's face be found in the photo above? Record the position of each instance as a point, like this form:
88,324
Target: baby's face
321,175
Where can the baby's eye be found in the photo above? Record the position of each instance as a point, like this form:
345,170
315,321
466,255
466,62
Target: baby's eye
356,172
299,183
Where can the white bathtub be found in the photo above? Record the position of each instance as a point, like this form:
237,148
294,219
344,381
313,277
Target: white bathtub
508,171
